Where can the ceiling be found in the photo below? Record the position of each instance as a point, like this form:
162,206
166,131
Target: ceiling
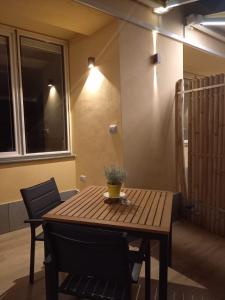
66,18
59,18
204,7
209,8
195,62
219,29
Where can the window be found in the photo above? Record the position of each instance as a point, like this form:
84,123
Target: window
7,137
34,117
43,96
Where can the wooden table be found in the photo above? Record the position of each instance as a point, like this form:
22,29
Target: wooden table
148,216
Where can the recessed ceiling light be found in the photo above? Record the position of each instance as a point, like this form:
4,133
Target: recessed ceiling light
213,22
161,10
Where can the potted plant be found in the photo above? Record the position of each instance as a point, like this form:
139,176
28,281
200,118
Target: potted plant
115,177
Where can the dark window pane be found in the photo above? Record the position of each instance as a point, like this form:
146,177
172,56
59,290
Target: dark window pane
7,138
43,96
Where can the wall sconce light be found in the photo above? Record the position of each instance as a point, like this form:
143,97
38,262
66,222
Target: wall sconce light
91,62
155,59
113,128
50,83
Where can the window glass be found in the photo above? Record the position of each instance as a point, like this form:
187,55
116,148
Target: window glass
7,137
43,96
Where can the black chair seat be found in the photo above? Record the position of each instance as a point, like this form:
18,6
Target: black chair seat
90,287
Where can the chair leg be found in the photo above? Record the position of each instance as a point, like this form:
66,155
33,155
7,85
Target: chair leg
32,255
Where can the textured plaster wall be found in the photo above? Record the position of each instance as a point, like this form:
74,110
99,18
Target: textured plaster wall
13,177
95,104
136,95
147,96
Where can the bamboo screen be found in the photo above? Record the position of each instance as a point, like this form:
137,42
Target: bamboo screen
204,201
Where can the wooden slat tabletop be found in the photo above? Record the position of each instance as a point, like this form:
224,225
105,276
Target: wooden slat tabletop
147,210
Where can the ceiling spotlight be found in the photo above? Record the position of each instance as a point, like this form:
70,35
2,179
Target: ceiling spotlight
91,62
161,10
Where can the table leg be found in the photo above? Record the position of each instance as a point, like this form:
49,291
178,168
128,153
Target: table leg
170,248
147,270
163,268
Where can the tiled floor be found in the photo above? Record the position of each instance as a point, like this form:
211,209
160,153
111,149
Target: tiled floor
198,271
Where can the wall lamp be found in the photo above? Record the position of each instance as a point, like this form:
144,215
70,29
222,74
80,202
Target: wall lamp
91,62
202,20
50,83
155,59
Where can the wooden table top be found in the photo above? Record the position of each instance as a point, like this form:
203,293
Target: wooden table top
148,211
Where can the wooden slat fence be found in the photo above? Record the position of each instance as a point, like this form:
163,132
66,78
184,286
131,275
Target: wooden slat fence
204,190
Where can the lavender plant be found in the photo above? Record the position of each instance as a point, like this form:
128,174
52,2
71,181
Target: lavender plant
115,175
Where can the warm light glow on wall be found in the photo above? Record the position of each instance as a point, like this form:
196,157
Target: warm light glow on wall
94,80
52,92
155,81
154,38
53,97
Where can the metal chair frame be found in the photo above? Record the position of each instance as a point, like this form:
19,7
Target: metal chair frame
38,200
98,262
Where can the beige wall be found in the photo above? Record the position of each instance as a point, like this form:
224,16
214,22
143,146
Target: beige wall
132,87
197,62
131,93
13,177
147,94
127,90
95,104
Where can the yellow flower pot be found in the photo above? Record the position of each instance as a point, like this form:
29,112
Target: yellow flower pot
114,190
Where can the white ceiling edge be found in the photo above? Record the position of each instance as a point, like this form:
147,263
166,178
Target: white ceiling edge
149,3
210,32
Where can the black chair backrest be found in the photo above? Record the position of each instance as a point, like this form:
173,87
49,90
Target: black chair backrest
88,251
41,198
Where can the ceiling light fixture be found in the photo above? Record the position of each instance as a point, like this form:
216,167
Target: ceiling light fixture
161,10
213,22
205,21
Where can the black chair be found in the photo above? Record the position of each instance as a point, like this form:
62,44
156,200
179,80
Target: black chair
39,199
97,262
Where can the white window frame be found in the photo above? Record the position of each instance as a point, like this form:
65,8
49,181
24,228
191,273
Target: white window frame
14,36
9,34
